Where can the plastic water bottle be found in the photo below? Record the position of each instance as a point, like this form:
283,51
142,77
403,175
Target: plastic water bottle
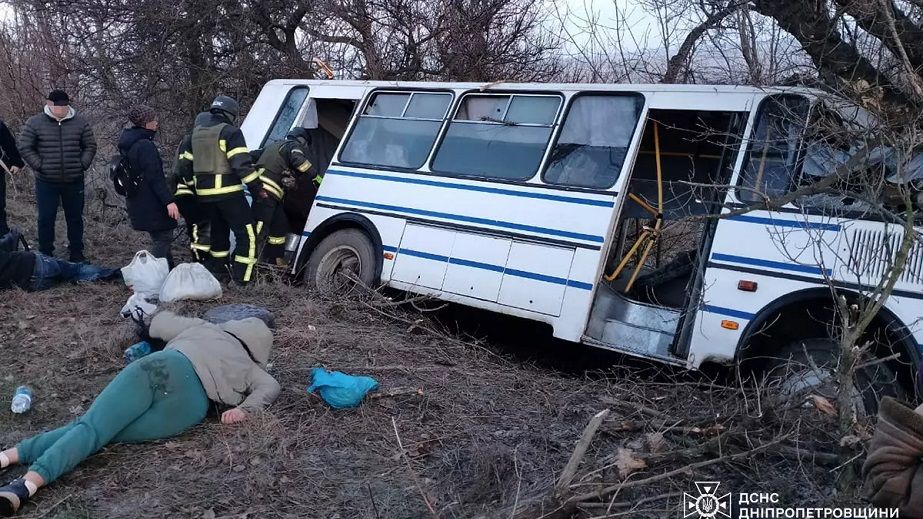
136,351
22,400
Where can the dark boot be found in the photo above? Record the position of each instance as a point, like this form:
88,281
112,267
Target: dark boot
12,497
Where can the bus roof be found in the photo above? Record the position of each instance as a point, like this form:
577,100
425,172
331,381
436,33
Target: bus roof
500,85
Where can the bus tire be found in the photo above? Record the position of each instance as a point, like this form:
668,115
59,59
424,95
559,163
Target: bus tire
340,259
794,370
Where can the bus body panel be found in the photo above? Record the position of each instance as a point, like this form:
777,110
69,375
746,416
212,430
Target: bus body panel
538,251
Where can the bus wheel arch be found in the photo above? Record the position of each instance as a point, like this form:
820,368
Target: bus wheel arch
351,229
805,316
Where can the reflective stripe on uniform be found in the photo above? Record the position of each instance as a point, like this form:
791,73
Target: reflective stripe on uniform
276,240
222,145
183,190
220,254
271,182
272,187
186,155
250,259
219,190
195,240
251,177
273,190
259,227
304,166
236,151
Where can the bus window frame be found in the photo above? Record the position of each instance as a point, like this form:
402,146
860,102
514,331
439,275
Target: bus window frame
560,128
554,126
363,106
275,119
747,147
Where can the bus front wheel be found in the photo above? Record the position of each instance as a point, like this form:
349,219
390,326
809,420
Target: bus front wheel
341,260
809,367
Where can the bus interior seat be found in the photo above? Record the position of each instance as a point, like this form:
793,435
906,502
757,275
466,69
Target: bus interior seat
585,166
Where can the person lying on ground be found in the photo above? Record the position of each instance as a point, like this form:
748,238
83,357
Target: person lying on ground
34,271
893,470
156,397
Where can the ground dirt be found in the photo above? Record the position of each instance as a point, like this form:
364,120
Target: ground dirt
486,425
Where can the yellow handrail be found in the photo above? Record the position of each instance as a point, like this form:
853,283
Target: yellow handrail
649,236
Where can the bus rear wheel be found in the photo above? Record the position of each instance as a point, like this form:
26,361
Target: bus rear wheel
807,367
341,260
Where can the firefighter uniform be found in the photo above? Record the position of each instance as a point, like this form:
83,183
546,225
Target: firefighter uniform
198,223
279,163
221,166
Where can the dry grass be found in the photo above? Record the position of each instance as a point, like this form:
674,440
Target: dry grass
486,435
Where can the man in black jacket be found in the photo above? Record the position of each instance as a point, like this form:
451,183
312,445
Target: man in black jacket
12,163
152,209
221,165
59,146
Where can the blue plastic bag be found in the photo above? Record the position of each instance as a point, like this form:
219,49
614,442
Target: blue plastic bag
339,390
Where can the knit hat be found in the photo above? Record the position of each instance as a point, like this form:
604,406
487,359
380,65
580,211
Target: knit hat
141,115
59,98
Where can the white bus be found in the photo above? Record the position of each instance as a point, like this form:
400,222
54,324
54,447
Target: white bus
592,208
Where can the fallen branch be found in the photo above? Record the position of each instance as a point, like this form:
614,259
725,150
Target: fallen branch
568,508
816,457
413,473
627,504
398,391
46,512
570,470
634,407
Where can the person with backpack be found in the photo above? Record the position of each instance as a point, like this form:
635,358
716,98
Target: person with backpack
59,146
151,207
12,163
157,396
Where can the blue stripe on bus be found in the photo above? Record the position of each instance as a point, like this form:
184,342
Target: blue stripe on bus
476,264
469,187
496,268
811,269
463,218
730,312
785,223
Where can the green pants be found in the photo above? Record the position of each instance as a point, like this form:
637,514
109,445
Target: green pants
155,397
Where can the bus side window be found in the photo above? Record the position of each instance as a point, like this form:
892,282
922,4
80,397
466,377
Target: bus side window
397,129
501,136
594,141
287,114
771,164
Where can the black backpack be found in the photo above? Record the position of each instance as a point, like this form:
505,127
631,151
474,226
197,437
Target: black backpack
126,181
11,241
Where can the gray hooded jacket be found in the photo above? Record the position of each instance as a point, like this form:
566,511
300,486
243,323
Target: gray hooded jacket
228,373
57,151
